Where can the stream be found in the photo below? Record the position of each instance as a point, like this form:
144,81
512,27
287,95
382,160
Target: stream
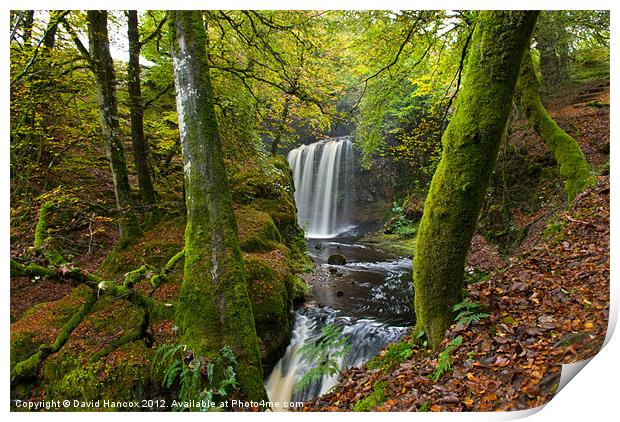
369,299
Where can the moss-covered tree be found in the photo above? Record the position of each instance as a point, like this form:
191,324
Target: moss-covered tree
214,307
100,62
136,110
574,169
470,145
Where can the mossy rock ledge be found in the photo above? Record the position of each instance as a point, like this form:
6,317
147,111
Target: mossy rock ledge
274,251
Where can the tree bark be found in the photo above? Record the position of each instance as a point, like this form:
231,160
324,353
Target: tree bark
275,145
214,307
574,169
28,23
136,110
470,146
49,39
103,68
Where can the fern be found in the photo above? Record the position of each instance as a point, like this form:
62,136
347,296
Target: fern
468,312
195,376
444,362
323,355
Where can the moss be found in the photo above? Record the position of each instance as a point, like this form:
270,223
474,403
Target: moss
40,230
574,170
470,147
300,290
400,244
40,324
267,289
374,399
256,230
154,249
393,355
123,375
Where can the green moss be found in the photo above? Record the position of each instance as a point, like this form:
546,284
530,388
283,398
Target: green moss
574,170
470,146
394,355
34,328
267,289
401,244
374,399
256,230
300,290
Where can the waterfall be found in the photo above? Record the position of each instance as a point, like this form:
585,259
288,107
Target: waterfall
322,173
365,336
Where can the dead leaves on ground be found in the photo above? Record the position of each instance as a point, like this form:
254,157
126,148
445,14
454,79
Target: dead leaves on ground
550,306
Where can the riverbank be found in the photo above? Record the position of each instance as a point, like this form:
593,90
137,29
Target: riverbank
547,308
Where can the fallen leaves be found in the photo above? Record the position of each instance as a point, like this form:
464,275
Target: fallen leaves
547,308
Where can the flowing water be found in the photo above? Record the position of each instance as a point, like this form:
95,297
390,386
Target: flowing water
369,298
321,172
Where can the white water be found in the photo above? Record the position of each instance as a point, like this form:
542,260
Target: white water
321,172
366,337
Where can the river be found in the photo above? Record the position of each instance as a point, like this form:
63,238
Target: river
369,299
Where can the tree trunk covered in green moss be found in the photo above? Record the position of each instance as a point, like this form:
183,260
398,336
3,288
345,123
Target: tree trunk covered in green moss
574,169
136,110
470,146
214,306
103,68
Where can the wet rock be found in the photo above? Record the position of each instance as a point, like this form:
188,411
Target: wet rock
336,259
319,246
332,270
339,293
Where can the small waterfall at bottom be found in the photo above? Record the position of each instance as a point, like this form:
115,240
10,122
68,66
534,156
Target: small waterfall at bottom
366,337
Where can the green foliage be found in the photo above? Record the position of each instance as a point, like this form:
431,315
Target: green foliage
395,354
375,398
196,378
402,226
554,228
323,355
444,362
468,312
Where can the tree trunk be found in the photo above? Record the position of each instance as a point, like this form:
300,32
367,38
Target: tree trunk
214,307
552,44
49,38
574,169
28,23
275,145
136,110
470,146
103,68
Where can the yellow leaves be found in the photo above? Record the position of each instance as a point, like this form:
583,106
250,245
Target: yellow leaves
588,325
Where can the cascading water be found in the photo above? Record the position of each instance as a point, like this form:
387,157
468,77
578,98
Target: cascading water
321,173
368,299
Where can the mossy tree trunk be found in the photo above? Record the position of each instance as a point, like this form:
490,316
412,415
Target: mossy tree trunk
103,68
136,110
574,169
214,306
470,146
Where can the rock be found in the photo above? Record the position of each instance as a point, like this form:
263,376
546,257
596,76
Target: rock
337,259
319,246
332,270
339,293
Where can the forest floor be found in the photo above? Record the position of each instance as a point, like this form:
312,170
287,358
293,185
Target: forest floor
547,303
